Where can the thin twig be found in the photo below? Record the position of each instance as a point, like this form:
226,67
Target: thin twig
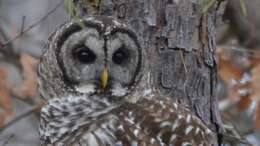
227,104
248,131
227,47
23,24
8,139
21,116
35,24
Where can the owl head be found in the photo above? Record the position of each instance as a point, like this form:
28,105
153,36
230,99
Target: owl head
94,55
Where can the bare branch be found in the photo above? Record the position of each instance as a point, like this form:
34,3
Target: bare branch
8,139
35,24
21,116
23,23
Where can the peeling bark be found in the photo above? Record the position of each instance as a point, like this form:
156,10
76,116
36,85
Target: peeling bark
180,42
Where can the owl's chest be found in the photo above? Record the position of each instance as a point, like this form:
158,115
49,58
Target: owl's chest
117,130
148,124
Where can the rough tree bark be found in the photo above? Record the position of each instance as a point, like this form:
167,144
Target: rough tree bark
180,42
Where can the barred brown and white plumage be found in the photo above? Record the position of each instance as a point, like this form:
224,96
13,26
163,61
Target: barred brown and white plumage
77,121
93,80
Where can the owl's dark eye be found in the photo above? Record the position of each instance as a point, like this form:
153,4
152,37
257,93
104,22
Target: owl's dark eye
120,56
84,55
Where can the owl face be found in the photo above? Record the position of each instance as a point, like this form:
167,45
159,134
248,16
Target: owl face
102,57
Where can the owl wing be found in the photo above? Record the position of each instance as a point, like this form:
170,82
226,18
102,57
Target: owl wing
120,134
148,123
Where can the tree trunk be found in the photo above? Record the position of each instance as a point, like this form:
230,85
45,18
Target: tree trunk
180,42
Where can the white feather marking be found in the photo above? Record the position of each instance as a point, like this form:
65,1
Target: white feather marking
105,138
161,102
147,92
116,23
130,114
63,130
106,110
136,132
173,137
134,143
157,120
108,30
180,116
186,144
208,131
45,110
119,91
197,130
188,129
120,127
138,125
175,125
158,137
119,143
165,123
152,140
89,18
91,140
188,119
175,105
88,88
131,121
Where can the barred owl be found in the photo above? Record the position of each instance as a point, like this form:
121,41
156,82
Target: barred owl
91,75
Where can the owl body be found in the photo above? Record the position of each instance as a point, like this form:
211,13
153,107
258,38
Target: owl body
92,76
76,121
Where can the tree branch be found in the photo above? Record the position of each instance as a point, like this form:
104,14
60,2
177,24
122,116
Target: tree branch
33,25
21,116
7,140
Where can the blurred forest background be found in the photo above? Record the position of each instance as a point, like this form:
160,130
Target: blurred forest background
26,24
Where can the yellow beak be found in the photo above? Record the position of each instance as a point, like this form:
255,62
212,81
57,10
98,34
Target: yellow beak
104,78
